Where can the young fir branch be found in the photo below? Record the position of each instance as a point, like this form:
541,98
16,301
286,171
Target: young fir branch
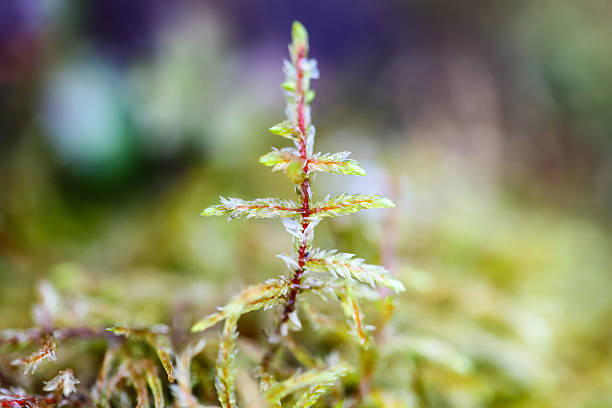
300,219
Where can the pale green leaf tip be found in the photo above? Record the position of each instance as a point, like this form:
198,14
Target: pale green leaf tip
294,171
267,159
115,330
310,95
284,129
386,202
358,171
299,35
198,327
398,286
288,86
207,212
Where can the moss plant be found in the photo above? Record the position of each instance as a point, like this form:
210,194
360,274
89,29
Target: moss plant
144,366
312,270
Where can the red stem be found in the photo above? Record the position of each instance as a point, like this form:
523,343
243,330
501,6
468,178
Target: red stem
304,189
296,280
26,401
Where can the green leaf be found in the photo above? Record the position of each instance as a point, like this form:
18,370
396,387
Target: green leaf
347,204
282,159
295,171
299,36
337,163
279,159
289,86
310,95
258,208
347,267
285,129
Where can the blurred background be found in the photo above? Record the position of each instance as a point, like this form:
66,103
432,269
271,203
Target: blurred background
488,123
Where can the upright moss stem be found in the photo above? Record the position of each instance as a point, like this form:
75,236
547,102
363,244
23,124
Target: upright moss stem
305,199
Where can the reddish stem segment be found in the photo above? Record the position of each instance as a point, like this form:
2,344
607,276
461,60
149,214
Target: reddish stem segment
304,189
26,401
296,280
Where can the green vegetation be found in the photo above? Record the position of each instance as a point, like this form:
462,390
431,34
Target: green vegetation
128,376
506,267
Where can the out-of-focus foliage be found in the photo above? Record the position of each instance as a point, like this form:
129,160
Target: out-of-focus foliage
487,123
